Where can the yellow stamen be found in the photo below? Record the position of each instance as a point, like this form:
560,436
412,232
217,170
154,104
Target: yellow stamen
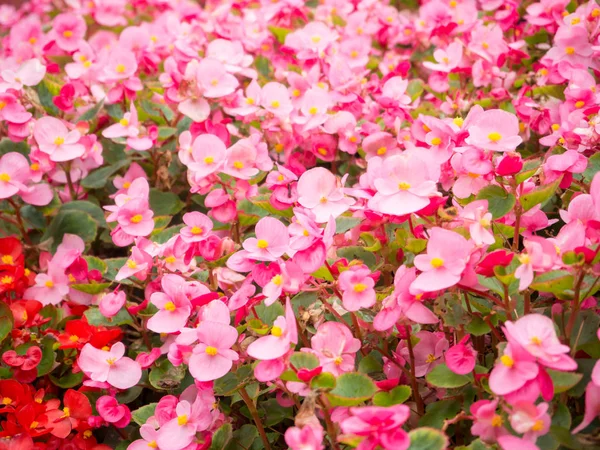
183,420
314,110
275,104
136,219
120,68
359,287
382,151
59,140
131,264
494,136
277,280
238,165
569,50
507,361
74,338
276,331
430,358
124,122
261,243
403,186
196,231
538,425
8,259
67,33
436,141
497,421
170,306
211,351
170,259
49,284
437,262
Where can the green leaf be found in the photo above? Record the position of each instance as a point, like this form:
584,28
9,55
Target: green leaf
500,202
268,314
394,397
243,438
166,376
415,89
323,273
437,412
91,113
67,381
563,381
46,90
343,223
539,196
166,132
442,376
352,389
551,90
280,33
99,177
165,203
477,327
46,364
141,415
324,380
72,222
556,281
164,235
372,243
8,146
91,288
6,321
90,208
370,364
95,318
593,167
263,202
359,253
303,360
427,439
221,437
304,300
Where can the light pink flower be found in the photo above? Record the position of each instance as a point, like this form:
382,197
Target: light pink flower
55,139
69,30
50,288
515,368
335,347
461,358
213,358
357,285
283,333
488,424
197,228
29,73
378,426
271,241
173,306
309,437
214,80
530,420
111,303
110,366
478,218
496,130
320,191
129,127
121,65
208,154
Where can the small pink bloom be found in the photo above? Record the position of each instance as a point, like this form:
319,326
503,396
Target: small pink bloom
378,426
208,154
69,30
213,358
530,420
109,409
271,241
309,437
54,138
121,64
488,424
110,366
198,227
461,358
357,285
496,130
321,192
515,368
111,303
336,347
276,344
173,305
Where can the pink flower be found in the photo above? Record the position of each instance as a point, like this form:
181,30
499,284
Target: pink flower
271,241
148,440
378,426
429,351
478,218
509,442
174,307
29,73
446,60
496,130
208,154
540,254
14,174
357,285
276,99
50,288
138,264
309,437
129,127
214,80
213,358
121,65
179,431
111,303
444,263
404,185
530,420
135,218
461,358
487,424
320,191
53,138
336,347
536,334
110,366
515,368
198,227
109,409
69,30
276,344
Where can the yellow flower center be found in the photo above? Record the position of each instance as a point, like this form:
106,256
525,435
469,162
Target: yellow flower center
74,338
127,185
555,127
507,361
458,121
275,104
66,412
183,420
278,148
67,33
124,122
209,160
277,280
569,50
170,259
314,110
580,104
524,258
296,92
214,82
497,421
49,284
88,434
196,230
152,444
7,279
111,361
382,151
437,262
403,186
575,20
536,340
4,177
494,136
353,54
316,39
120,68
484,223
32,40
7,259
262,244
359,287
211,351
250,101
430,358
59,140
436,141
276,331
2,105
485,45
87,64
595,13
322,151
238,165
6,401
35,167
538,425
34,424
131,264
170,306
338,361
136,219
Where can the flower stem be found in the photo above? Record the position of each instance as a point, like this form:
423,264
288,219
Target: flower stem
254,413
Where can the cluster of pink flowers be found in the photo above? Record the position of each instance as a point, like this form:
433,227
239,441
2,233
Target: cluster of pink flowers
299,224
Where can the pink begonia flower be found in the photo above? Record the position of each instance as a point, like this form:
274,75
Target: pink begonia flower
55,139
135,218
565,164
537,335
179,432
530,420
509,442
50,288
478,218
196,109
213,79
271,241
393,92
380,144
403,303
15,175
129,127
488,424
109,409
29,73
138,264
197,228
592,404
309,437
357,285
149,436
121,64
404,185
146,359
123,183
213,358
495,130
378,426
110,366
208,154
539,255
443,264
311,41
12,110
173,305
289,280
69,30
320,191
429,351
446,60
283,333
572,45
335,347
515,368
315,106
276,99
241,160
111,303
461,358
